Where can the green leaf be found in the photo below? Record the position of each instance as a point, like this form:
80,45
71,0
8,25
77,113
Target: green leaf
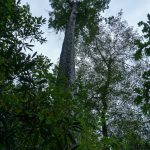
138,100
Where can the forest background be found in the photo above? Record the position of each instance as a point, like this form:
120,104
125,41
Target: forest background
97,97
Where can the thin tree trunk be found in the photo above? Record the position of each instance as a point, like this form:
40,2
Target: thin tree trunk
103,117
104,103
67,60
104,125
104,100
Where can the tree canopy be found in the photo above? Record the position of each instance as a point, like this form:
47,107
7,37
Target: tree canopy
88,14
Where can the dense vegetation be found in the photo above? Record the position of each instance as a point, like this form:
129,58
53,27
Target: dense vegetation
104,105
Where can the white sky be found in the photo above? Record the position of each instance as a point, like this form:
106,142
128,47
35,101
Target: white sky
133,12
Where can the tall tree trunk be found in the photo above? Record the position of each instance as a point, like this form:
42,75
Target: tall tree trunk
67,60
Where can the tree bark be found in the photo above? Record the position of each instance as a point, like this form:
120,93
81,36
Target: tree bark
104,102
67,57
104,99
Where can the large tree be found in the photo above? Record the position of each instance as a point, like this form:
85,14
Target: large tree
34,114
74,16
106,64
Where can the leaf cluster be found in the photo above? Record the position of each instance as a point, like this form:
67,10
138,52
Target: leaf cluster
88,15
143,93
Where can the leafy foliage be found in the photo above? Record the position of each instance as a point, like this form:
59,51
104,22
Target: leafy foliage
143,92
88,15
